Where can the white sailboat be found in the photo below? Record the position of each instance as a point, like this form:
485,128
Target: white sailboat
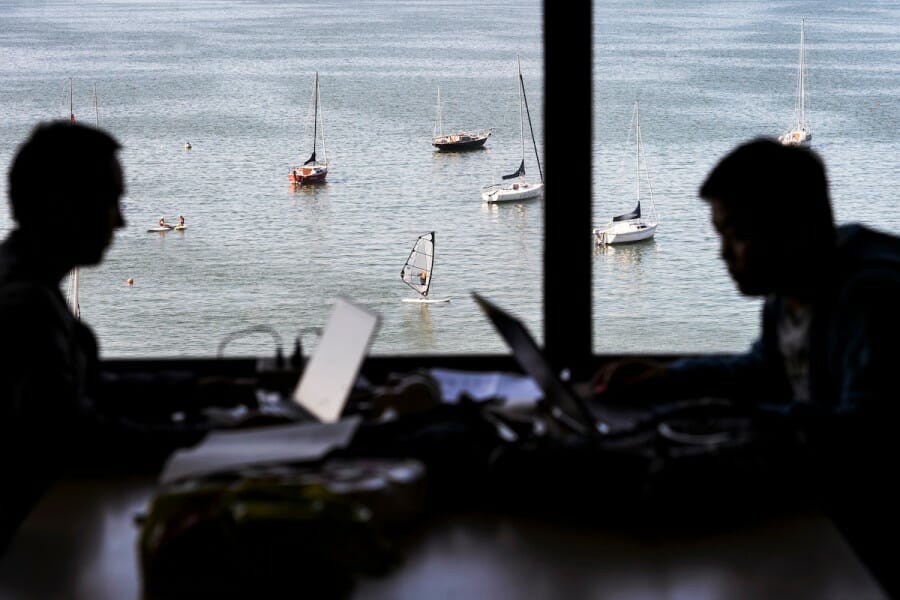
515,186
72,295
633,226
799,134
74,301
416,273
313,170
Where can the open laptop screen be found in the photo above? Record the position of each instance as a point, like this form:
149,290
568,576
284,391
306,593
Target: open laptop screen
335,362
529,356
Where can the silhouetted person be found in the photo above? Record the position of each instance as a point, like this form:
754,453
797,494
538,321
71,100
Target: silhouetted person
825,358
64,188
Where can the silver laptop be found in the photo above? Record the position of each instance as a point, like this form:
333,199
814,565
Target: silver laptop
567,407
334,366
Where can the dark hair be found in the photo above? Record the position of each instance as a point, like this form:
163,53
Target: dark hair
59,170
774,187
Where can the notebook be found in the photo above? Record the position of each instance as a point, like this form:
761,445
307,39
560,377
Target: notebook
332,369
567,406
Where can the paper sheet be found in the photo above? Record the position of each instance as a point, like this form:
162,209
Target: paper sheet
226,450
511,387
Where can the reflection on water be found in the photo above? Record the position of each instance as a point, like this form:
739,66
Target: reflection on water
514,217
496,208
417,323
624,255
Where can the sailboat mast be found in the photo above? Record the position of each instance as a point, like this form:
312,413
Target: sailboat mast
430,267
322,118
637,149
315,112
642,159
96,109
76,307
521,91
801,78
537,157
440,121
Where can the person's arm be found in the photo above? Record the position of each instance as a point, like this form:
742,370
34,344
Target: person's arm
864,344
41,373
755,376
752,375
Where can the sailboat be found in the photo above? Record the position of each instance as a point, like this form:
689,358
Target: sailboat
416,273
458,140
632,226
799,134
313,170
515,186
74,302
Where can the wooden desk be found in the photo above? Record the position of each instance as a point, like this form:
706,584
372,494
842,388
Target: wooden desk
81,540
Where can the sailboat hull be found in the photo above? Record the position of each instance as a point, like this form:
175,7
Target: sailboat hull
460,142
625,232
426,300
512,192
797,137
307,174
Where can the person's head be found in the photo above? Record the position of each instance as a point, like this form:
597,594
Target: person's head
64,188
771,208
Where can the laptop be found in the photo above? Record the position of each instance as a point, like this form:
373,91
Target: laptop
329,375
566,406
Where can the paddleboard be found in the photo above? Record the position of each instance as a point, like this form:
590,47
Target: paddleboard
427,300
158,229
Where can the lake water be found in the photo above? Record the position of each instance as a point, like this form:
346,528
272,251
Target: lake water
235,79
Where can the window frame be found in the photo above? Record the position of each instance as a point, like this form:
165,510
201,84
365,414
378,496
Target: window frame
567,257
568,134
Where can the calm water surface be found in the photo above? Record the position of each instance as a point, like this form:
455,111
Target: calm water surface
235,79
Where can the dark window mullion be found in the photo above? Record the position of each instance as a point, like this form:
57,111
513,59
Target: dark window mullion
567,220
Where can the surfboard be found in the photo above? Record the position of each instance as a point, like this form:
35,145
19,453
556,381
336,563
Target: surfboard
426,300
180,227
158,229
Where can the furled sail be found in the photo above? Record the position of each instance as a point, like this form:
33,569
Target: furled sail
416,272
635,214
518,173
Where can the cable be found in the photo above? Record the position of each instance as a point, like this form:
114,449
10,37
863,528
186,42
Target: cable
279,353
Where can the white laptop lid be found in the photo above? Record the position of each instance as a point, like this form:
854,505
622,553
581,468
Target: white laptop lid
332,369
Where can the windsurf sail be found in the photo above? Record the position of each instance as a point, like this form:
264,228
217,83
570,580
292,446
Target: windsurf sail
416,273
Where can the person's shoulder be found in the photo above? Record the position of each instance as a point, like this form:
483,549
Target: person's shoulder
24,302
868,256
861,245
21,290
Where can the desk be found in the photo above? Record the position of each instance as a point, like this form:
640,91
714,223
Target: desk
81,539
